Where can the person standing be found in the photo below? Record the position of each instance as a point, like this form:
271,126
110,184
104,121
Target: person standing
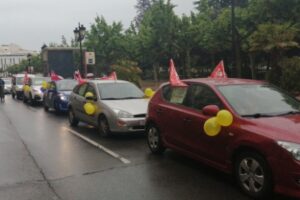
2,84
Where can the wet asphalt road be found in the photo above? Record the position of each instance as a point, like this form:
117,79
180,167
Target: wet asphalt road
41,159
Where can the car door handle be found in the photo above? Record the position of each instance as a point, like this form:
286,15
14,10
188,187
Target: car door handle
187,120
159,111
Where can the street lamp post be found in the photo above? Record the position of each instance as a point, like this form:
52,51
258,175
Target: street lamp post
29,56
79,33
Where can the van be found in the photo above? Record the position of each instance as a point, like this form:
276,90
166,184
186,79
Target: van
17,83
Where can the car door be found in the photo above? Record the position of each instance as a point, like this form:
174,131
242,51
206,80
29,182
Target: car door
91,119
78,102
51,93
169,115
198,142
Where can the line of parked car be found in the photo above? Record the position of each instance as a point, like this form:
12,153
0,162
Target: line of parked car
261,148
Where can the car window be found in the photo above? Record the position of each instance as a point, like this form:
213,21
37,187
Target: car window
199,96
66,85
82,89
91,89
76,89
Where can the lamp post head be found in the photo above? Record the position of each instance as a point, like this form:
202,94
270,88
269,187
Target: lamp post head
76,34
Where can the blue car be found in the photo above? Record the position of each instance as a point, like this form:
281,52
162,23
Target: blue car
57,95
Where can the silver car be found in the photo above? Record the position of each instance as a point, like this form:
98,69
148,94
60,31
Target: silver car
119,106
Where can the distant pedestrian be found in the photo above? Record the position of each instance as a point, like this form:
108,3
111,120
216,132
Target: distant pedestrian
2,84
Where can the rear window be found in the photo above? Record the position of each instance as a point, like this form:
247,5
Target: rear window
115,91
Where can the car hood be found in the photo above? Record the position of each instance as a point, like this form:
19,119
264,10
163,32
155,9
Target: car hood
279,128
133,106
66,93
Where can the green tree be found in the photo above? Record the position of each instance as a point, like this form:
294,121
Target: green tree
142,6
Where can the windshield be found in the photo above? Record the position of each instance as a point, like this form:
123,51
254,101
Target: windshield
19,80
39,81
259,100
66,85
115,91
7,81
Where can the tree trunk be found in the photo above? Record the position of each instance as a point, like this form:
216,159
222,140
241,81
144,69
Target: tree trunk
188,63
155,72
252,65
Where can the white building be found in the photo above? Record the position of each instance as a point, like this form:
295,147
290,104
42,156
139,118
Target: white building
12,54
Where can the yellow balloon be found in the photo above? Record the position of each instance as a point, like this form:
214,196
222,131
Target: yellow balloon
26,88
224,118
89,94
149,92
44,85
89,108
211,127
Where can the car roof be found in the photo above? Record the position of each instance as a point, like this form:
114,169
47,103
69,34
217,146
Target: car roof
106,81
22,75
224,81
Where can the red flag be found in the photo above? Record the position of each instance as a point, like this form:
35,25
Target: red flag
55,77
219,71
78,77
25,80
174,78
112,76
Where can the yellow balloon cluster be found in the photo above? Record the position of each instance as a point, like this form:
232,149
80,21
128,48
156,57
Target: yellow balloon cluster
44,85
149,92
212,126
26,88
89,107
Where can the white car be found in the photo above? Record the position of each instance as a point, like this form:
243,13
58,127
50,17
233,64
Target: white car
35,93
17,85
7,86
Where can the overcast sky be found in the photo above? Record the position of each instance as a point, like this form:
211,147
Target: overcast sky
30,23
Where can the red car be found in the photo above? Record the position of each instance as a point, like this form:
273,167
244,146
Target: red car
261,148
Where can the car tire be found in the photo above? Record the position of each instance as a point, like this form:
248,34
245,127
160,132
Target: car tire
46,108
154,140
24,98
103,127
72,118
13,95
253,175
31,100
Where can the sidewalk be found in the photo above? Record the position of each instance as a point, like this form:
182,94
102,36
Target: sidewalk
20,177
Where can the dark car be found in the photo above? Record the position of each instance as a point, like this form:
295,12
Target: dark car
262,145
57,95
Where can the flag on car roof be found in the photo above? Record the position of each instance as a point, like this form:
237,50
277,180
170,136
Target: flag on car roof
55,77
174,78
112,76
25,80
78,77
219,71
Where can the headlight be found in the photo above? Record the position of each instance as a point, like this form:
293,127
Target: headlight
122,114
293,148
62,97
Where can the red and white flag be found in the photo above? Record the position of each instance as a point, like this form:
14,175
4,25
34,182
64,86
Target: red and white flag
174,78
55,77
78,77
112,76
25,80
219,71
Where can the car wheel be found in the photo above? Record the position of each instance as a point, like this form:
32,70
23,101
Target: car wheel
103,127
13,95
154,139
46,108
31,100
72,119
253,175
24,98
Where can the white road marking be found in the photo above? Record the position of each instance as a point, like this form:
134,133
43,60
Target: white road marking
106,150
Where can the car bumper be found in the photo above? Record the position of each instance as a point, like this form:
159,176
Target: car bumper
38,97
286,176
128,125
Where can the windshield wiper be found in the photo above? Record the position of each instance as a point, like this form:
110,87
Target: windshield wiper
291,112
131,98
110,98
258,115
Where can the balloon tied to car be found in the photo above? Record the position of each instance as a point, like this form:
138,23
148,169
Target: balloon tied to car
213,125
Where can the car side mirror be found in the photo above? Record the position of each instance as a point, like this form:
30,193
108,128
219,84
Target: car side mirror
91,98
210,110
